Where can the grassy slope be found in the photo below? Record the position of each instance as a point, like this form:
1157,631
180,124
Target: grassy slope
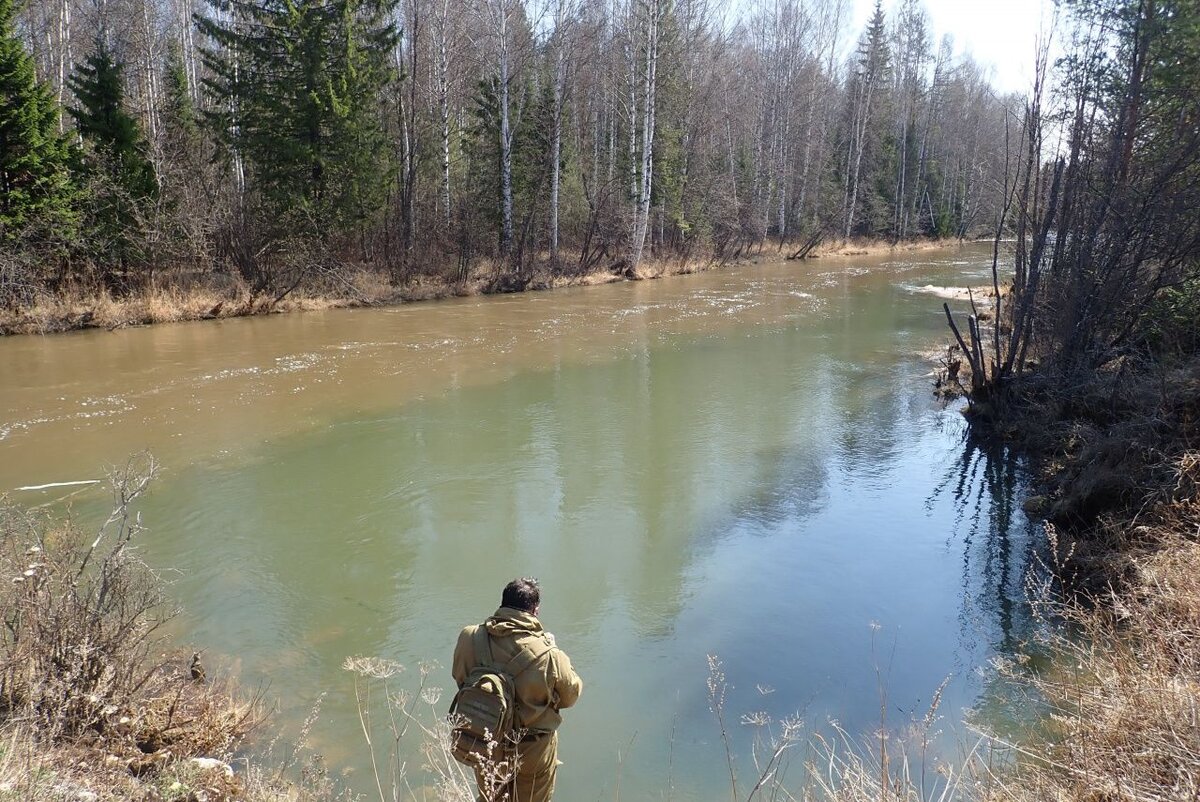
1121,470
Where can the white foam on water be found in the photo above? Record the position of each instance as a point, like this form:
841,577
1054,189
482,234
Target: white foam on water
60,484
949,293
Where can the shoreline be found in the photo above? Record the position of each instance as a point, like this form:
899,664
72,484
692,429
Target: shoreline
1118,483
178,299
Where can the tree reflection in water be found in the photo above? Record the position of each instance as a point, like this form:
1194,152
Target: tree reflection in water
1003,553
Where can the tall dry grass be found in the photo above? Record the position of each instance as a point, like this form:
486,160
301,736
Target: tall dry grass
1124,684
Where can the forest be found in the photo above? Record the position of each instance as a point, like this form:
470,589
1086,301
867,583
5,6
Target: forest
265,145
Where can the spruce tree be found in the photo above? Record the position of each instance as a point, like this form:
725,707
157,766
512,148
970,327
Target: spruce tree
867,89
185,172
181,123
123,179
104,123
36,188
295,86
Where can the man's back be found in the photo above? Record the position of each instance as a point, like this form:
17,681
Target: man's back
549,684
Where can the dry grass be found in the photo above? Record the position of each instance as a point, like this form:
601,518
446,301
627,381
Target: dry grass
92,705
174,298
1124,692
166,302
875,247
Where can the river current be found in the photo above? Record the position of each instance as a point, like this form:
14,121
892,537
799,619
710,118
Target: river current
747,463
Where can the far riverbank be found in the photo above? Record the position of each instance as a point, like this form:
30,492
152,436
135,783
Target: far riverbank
182,297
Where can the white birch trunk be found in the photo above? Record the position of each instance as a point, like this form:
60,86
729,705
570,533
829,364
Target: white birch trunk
642,211
505,135
556,135
443,90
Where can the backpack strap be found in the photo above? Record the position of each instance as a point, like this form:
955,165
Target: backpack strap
483,646
524,659
520,662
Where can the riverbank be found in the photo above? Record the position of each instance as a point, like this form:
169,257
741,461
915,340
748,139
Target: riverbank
1120,479
95,703
183,296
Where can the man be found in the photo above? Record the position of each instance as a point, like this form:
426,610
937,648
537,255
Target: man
542,690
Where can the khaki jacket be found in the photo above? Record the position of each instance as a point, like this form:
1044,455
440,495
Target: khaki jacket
547,687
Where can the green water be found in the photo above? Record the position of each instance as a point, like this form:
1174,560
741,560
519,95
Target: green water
746,463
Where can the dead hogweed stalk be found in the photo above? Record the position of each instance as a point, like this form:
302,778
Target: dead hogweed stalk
387,718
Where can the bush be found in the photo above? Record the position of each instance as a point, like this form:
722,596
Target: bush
1171,324
80,615
84,669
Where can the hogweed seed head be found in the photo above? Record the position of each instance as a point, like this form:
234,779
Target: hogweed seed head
373,667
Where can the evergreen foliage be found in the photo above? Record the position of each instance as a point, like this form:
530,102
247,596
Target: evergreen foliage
873,58
181,122
122,179
867,185
111,131
36,189
296,89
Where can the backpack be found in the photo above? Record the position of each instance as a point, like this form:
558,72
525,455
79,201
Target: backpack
486,704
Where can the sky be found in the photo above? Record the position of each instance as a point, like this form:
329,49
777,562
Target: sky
1000,34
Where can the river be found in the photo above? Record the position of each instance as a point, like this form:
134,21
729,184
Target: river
746,463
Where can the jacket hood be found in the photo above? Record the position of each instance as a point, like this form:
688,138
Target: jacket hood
508,622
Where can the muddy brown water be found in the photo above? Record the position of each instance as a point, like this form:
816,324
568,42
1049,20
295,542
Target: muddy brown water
745,463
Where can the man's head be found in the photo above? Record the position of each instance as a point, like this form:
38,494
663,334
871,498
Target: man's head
522,594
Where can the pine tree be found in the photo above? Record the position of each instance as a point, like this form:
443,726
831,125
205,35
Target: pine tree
296,87
122,175
36,187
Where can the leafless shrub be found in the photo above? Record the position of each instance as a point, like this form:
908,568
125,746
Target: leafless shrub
19,286
87,685
80,614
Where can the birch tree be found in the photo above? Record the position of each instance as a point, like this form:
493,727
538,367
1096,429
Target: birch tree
646,17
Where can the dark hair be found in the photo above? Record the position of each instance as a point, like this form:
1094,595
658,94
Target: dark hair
522,594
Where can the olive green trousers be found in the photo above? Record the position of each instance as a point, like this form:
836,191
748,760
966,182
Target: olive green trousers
537,763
